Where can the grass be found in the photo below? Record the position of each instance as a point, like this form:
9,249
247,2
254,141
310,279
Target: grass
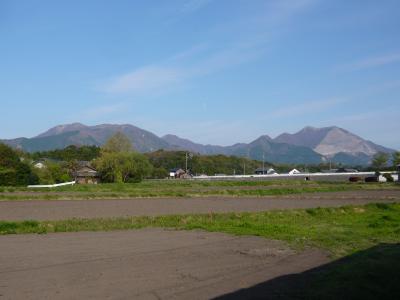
186,188
341,231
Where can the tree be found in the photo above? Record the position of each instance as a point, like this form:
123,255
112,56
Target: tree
159,173
53,173
12,170
117,143
396,158
8,157
123,167
379,160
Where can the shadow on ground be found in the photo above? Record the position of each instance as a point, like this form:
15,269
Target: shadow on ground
370,274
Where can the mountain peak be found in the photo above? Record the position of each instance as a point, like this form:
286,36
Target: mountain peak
170,136
320,129
264,137
330,140
309,128
62,128
308,145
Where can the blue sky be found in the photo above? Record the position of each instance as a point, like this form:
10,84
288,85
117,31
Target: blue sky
214,71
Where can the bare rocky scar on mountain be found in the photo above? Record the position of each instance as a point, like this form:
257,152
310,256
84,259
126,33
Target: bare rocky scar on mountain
310,145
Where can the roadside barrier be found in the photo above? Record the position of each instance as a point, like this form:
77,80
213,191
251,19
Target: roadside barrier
51,185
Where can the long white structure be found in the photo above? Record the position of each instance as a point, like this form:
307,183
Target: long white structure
304,176
51,185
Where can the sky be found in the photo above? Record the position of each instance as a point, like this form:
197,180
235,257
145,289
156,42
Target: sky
214,71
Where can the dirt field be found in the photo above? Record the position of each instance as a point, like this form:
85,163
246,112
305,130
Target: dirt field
142,264
65,209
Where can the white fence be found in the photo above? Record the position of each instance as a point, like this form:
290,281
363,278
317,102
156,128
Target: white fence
51,185
316,176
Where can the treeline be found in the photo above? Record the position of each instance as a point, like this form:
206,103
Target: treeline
202,164
116,161
81,153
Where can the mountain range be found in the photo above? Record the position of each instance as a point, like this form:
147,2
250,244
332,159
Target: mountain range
310,145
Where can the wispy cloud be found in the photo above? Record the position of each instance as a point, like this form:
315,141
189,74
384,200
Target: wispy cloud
309,107
193,5
175,13
371,62
207,58
148,78
178,69
101,111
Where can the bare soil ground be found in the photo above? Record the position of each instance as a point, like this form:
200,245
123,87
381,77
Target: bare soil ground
142,264
66,209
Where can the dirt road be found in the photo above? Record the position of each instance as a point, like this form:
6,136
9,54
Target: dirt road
65,209
142,264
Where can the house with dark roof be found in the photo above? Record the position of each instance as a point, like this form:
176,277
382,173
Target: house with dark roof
176,173
86,175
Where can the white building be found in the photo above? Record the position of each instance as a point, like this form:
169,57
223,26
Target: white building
294,171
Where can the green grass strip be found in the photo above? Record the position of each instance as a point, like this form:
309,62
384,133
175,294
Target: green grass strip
341,230
134,191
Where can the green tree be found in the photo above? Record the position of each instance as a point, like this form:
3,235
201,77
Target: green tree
396,158
54,173
8,157
117,143
380,160
12,170
123,167
159,173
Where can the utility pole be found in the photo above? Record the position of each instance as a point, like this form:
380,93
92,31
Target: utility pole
186,160
248,157
244,168
263,163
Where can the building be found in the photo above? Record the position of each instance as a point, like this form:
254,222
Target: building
294,171
265,171
39,165
176,173
86,175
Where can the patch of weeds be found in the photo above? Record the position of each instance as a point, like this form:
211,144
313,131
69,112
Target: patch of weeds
311,211
8,227
383,206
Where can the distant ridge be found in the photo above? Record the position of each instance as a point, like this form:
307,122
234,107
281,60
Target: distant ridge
310,145
330,141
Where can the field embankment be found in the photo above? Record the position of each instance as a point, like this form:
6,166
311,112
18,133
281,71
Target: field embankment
186,189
